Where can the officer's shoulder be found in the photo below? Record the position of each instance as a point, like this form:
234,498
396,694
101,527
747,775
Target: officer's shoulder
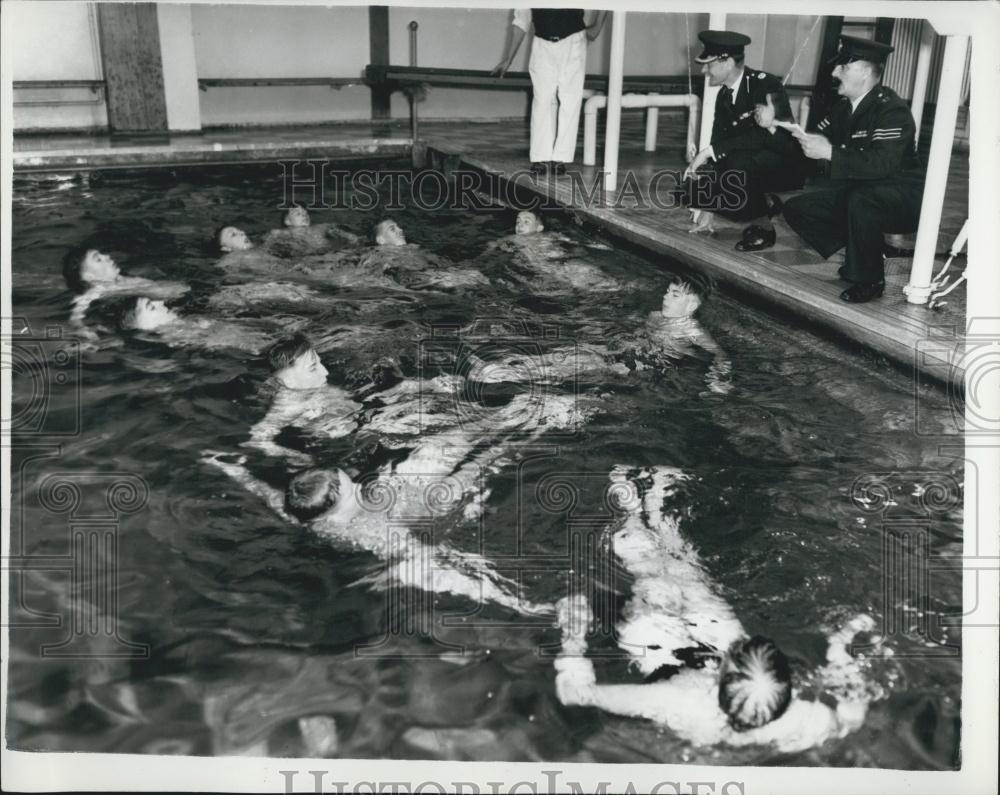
887,99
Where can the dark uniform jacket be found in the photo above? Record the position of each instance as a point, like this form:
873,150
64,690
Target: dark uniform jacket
734,126
874,142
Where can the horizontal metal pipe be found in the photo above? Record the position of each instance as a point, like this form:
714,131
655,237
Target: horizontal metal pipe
597,101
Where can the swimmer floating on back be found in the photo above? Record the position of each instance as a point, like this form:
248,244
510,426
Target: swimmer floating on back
301,238
744,696
93,275
392,262
178,330
545,262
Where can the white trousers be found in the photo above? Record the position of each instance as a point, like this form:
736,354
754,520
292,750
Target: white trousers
557,69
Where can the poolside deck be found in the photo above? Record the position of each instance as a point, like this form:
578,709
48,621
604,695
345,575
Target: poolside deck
789,276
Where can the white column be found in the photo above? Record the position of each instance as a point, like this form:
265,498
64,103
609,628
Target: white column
613,122
652,117
715,22
948,98
180,71
922,73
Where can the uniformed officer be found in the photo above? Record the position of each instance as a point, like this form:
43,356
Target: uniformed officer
865,147
558,66
744,160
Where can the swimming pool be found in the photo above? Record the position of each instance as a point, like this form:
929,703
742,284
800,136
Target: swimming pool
252,624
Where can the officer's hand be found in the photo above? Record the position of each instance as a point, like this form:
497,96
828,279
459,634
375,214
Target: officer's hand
699,160
816,147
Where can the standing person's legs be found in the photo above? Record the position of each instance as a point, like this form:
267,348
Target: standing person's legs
573,69
820,218
544,70
873,210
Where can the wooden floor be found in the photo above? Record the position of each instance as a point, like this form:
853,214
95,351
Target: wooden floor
790,275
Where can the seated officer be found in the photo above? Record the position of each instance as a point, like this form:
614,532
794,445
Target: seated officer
745,160
865,150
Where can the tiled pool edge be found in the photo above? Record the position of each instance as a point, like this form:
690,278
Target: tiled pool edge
205,152
773,284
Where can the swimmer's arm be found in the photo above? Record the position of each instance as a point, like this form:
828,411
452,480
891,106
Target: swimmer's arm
576,685
720,372
428,568
239,473
262,437
335,231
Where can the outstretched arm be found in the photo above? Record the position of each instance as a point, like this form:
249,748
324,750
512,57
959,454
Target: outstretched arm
667,701
443,570
234,469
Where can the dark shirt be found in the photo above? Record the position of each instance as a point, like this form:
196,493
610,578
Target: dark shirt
557,23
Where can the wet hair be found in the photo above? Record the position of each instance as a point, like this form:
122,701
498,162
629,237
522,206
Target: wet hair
287,350
691,287
312,493
127,317
755,683
72,265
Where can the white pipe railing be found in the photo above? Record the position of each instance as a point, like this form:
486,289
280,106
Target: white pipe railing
921,76
945,118
616,73
715,22
650,101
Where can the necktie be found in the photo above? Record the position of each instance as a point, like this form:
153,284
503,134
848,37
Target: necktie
727,95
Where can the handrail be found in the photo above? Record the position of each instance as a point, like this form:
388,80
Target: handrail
333,82
380,74
93,85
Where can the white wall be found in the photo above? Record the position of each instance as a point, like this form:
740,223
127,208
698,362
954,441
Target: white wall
55,41
281,41
58,40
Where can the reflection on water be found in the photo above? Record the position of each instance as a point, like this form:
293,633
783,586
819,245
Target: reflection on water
260,638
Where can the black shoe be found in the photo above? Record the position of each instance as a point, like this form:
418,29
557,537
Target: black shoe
557,168
862,292
756,238
540,167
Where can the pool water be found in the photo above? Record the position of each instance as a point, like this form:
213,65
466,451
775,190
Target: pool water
259,634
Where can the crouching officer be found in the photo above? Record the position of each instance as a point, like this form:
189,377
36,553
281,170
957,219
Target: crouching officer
744,162
865,149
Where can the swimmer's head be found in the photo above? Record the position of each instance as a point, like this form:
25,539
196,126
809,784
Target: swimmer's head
680,300
83,268
388,233
527,223
147,315
297,216
233,239
755,683
312,493
296,364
